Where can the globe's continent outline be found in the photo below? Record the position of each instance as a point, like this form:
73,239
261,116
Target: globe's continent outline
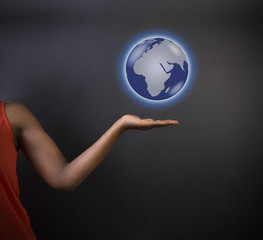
156,64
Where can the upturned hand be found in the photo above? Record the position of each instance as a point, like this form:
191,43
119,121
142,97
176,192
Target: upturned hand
134,122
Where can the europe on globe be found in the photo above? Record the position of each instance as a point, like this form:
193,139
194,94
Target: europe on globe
157,69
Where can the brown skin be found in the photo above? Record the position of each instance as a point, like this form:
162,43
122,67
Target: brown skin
47,159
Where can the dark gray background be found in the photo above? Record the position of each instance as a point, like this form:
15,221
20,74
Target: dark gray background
199,180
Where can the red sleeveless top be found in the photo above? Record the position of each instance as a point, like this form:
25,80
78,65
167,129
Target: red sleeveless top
14,221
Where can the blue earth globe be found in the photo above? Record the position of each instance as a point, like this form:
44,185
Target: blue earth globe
157,69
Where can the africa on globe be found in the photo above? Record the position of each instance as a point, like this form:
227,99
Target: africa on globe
157,69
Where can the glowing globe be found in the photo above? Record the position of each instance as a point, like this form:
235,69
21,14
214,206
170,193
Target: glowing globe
157,69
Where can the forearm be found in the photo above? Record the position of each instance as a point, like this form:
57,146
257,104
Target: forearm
78,170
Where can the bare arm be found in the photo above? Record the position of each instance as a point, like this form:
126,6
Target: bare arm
48,160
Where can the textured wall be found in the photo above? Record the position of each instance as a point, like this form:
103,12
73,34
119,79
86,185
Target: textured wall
202,179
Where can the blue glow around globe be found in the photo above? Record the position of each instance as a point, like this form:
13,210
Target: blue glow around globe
157,69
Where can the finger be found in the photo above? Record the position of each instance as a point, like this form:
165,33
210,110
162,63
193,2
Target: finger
162,123
150,123
170,122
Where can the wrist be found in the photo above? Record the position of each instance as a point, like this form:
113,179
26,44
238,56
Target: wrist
122,124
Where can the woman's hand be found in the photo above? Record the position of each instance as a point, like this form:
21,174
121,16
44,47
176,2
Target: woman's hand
133,122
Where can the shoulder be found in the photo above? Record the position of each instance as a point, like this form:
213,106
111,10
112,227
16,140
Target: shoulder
16,110
13,108
19,116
